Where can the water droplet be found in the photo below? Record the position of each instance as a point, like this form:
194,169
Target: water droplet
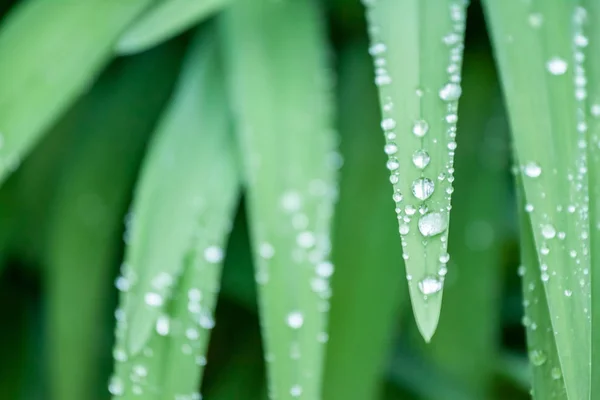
421,159
537,357
581,40
390,149
325,269
568,293
392,164
397,197
153,299
548,231
444,258
192,333
423,188
532,170
306,239
163,325
213,254
521,270
556,66
115,386
377,48
535,20
432,224
404,229
295,319
450,92
528,208
420,128
410,210
296,391
388,124
556,373
430,285
266,250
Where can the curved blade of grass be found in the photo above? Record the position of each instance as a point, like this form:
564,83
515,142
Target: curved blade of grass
83,246
417,49
592,67
278,82
538,49
546,376
476,236
164,21
50,52
182,213
368,289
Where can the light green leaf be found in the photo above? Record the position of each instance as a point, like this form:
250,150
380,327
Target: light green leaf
86,215
417,48
181,216
367,285
538,48
279,85
546,376
164,21
51,51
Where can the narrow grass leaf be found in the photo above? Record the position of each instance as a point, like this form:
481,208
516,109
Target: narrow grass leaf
538,47
368,290
51,52
279,84
417,48
181,216
84,237
592,67
546,372
165,20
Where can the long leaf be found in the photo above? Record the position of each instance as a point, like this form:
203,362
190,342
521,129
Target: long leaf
368,288
164,21
84,237
538,49
182,213
417,49
279,86
51,52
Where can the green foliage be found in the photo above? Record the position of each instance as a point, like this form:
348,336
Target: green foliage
195,199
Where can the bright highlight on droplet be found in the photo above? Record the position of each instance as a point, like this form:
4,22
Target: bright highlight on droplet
557,66
430,285
295,319
423,188
420,128
548,231
432,224
532,169
421,159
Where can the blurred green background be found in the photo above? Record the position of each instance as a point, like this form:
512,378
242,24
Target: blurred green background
63,212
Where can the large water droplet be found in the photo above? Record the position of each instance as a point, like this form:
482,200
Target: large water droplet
556,66
420,128
430,285
432,224
423,188
450,92
421,159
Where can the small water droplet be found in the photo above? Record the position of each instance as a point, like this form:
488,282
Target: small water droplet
162,325
423,188
392,164
388,124
295,319
444,258
390,149
325,269
556,66
548,231
532,169
115,386
521,270
397,196
430,285
266,250
213,254
568,293
306,239
404,229
556,373
153,299
432,224
537,357
421,159
420,128
296,391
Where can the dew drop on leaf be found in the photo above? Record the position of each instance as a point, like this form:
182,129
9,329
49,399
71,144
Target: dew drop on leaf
532,170
423,188
556,66
295,320
421,159
548,231
432,224
420,128
430,285
537,357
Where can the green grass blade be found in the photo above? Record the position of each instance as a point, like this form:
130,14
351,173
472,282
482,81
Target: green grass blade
188,189
84,239
592,67
546,373
164,21
368,288
417,48
279,86
538,50
476,236
50,53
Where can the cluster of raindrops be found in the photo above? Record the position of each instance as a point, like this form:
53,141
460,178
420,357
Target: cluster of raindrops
133,369
416,204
